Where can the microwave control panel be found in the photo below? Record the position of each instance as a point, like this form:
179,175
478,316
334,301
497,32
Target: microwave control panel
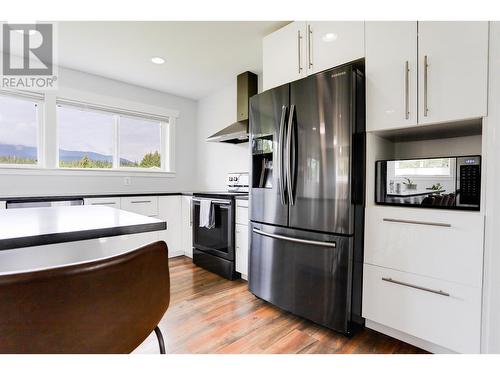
469,181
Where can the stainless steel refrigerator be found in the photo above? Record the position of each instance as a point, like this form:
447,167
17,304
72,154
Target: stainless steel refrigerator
307,196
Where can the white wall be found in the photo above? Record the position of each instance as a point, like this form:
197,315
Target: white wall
491,285
215,160
83,86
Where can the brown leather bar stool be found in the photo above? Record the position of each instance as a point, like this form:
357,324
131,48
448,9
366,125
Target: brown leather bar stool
104,306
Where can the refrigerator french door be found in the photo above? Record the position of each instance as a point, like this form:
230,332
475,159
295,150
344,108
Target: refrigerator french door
313,267
268,116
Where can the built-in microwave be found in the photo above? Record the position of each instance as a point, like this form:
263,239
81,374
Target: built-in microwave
444,182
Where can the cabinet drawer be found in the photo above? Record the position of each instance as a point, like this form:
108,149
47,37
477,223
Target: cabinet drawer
443,245
242,212
147,206
107,201
417,306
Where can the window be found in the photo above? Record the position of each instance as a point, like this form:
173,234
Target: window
85,138
94,138
424,167
140,143
19,130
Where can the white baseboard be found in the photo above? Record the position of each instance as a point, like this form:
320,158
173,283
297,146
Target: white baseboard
244,277
415,341
173,254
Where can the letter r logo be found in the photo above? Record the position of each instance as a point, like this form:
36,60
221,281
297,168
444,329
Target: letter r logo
28,49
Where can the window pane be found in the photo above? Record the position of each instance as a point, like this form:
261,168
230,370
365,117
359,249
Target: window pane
424,167
85,138
18,131
140,142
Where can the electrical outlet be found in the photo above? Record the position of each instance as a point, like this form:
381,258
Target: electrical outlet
127,181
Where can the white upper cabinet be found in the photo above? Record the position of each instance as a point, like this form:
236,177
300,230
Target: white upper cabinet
303,48
333,43
284,58
439,67
453,72
391,74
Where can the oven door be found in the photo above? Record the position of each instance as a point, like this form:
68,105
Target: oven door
218,240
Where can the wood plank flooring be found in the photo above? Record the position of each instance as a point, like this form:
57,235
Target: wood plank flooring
209,314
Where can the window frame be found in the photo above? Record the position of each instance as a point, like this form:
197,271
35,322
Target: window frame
38,99
166,146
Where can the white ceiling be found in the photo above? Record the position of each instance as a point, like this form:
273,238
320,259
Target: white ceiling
200,56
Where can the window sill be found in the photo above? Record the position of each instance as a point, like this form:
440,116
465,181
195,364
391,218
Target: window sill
37,171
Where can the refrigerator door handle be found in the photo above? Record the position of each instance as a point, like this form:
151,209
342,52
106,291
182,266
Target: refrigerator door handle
289,178
297,240
281,140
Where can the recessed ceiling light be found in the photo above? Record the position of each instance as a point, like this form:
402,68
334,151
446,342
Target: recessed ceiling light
329,37
157,60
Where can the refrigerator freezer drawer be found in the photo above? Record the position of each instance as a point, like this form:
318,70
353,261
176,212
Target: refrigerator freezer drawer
302,272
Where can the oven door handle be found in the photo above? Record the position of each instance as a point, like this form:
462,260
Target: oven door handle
221,201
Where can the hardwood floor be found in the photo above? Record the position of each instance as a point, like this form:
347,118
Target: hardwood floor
209,314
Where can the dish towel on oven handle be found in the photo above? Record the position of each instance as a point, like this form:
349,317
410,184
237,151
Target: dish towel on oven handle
207,214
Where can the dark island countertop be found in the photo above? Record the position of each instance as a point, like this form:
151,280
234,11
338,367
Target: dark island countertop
24,227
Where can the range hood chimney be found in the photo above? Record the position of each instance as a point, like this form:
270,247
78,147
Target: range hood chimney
238,131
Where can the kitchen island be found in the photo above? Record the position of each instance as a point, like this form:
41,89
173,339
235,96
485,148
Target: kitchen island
39,238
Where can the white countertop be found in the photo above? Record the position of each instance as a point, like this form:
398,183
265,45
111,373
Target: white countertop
23,227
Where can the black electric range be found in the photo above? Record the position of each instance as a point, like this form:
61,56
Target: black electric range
214,248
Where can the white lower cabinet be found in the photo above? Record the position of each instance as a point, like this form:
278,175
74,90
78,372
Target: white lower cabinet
187,226
242,237
169,209
423,275
440,312
3,205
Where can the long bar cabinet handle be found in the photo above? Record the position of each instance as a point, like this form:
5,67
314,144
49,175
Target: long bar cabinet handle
299,38
435,291
407,90
309,45
426,73
435,224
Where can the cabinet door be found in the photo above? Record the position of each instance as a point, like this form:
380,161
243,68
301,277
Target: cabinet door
283,55
169,209
453,59
333,43
242,250
187,226
391,75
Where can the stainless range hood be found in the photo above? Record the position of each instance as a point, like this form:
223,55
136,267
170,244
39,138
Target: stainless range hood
238,131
